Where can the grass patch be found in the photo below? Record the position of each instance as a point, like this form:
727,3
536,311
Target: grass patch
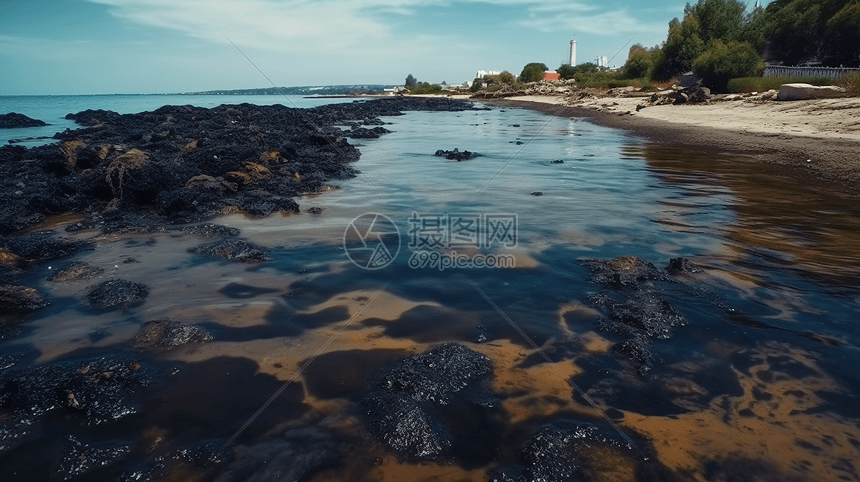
851,83
761,84
609,83
428,89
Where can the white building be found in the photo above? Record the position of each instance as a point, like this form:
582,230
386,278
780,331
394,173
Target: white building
482,73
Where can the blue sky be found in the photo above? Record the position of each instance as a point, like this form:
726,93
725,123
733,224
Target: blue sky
169,46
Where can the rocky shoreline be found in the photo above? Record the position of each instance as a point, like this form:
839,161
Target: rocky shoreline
147,172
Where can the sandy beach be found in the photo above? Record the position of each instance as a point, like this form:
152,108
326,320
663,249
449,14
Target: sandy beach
817,140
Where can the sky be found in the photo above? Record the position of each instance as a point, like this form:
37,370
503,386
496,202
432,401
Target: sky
176,46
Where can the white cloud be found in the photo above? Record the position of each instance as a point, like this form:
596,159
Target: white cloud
281,26
589,21
343,25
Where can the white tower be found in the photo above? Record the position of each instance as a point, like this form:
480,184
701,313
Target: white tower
573,53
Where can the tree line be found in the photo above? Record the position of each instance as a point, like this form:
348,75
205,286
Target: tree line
720,39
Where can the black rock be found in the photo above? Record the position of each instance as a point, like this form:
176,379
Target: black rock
537,193
682,265
14,428
211,230
239,250
404,407
76,271
363,133
647,312
456,154
20,298
437,374
560,452
7,361
80,459
42,246
167,334
407,426
102,389
116,292
558,161
14,120
7,332
206,453
623,271
257,158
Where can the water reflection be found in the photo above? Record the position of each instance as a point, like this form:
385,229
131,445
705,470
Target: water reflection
778,222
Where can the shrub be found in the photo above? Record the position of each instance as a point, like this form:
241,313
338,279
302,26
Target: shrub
640,62
426,88
476,85
851,83
533,72
566,71
506,77
681,48
723,61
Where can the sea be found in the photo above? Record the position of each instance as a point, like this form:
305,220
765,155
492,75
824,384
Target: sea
755,380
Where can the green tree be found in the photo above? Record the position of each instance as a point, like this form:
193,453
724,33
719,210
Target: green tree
718,19
533,72
753,29
506,77
410,81
640,62
566,71
827,31
476,85
680,49
726,60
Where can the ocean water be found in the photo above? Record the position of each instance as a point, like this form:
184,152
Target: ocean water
758,380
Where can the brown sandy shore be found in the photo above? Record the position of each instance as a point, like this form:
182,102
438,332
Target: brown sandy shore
815,140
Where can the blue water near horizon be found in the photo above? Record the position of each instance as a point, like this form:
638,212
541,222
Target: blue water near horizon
53,108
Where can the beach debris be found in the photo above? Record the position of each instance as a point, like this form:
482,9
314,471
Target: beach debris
115,293
239,250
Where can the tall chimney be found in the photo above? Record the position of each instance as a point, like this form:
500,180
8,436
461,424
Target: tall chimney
573,53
